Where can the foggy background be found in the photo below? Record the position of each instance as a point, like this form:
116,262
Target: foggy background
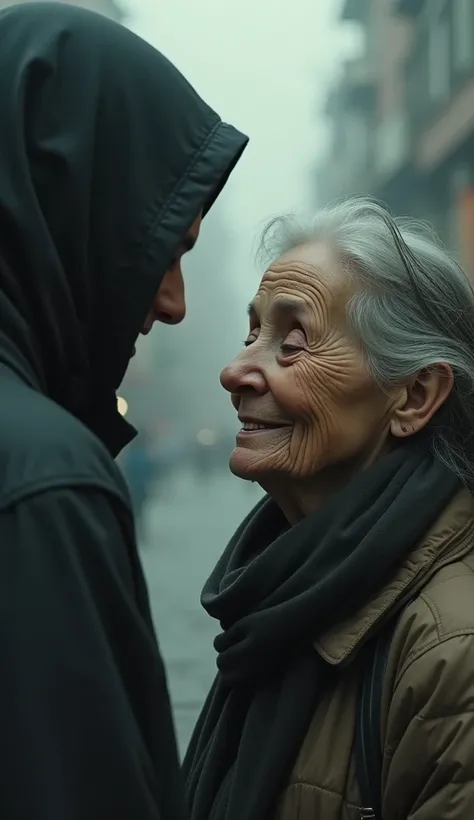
265,67
338,97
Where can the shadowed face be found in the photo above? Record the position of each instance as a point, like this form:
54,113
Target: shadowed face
303,393
169,304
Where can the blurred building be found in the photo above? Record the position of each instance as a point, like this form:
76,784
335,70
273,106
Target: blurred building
109,8
402,114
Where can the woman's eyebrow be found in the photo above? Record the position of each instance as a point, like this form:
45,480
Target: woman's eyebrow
251,309
291,307
283,306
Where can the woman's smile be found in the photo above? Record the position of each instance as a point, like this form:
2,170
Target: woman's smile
252,427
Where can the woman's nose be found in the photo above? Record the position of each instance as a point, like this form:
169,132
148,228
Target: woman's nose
243,375
170,301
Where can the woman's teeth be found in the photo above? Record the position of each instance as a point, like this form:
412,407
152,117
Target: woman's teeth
250,425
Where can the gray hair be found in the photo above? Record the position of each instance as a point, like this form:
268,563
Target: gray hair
414,307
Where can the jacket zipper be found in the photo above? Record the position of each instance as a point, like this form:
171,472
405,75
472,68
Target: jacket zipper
367,812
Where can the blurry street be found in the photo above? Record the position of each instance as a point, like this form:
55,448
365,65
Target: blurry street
186,527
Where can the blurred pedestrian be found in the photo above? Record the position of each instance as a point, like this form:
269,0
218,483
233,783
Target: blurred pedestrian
108,161
355,395
138,467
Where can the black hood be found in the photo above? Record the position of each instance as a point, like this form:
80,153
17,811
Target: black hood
107,155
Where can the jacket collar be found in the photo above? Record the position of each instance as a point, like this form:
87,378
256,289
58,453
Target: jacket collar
449,539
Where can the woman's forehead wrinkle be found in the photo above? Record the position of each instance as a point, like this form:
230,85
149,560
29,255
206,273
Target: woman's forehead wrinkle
312,287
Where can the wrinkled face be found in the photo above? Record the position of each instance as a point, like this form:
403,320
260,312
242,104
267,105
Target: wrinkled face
301,387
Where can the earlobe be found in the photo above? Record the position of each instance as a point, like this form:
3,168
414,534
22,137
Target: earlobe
399,430
425,394
400,427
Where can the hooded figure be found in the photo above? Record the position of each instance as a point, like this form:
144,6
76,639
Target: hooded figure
107,158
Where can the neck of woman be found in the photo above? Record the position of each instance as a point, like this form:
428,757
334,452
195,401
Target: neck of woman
299,497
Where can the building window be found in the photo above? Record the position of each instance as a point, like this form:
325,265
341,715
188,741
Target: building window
438,58
463,31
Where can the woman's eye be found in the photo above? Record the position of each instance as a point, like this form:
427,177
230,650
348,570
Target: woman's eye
251,338
294,342
286,348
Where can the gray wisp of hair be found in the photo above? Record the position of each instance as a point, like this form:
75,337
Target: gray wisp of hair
413,306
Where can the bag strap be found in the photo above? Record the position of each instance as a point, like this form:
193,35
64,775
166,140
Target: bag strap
368,751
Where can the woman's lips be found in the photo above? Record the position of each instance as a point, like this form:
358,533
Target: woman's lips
261,429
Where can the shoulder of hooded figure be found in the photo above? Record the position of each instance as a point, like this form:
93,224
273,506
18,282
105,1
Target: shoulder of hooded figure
44,447
428,704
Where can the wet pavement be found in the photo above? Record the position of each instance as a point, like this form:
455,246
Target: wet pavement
186,527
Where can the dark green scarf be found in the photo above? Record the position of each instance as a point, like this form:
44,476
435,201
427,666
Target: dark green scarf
274,590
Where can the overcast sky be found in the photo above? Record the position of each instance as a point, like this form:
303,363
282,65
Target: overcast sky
265,66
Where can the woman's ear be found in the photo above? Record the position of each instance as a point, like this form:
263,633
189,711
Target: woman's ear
423,396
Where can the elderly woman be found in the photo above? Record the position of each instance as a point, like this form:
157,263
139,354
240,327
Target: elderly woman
355,395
